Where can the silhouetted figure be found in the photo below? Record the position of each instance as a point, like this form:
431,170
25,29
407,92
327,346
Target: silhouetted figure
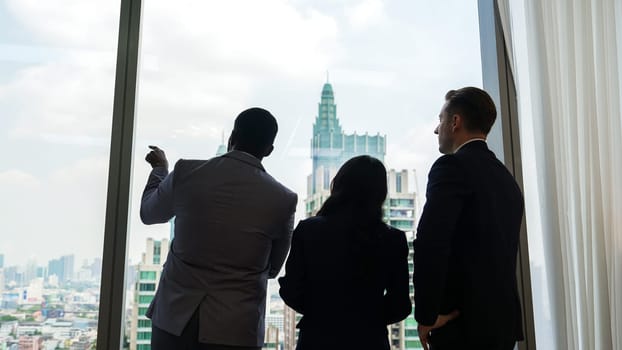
233,225
347,271
467,238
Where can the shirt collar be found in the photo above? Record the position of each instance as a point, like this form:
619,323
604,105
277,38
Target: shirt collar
245,158
469,141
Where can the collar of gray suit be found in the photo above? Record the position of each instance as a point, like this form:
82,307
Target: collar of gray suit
246,158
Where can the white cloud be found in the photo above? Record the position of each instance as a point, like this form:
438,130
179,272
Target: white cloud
366,13
17,179
61,213
55,100
69,23
200,59
266,37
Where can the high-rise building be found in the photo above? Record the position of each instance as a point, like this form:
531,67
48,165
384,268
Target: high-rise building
401,212
330,148
13,276
42,272
1,261
222,148
68,267
63,268
147,277
96,268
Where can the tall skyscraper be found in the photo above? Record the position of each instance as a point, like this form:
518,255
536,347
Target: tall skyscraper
222,148
401,211
1,261
68,267
147,278
63,268
55,268
330,148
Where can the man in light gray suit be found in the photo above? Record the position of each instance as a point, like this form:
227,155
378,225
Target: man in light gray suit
233,226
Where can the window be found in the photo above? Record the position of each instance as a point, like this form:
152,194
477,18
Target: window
57,75
144,335
144,323
146,286
389,94
401,202
145,299
148,275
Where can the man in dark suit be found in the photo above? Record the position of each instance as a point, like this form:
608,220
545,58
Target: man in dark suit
466,296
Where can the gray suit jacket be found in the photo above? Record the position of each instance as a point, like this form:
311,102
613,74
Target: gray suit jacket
233,226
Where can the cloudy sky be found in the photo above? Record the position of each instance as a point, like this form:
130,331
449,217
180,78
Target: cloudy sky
390,64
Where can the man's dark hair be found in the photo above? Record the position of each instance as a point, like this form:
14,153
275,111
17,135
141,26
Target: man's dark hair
255,130
475,106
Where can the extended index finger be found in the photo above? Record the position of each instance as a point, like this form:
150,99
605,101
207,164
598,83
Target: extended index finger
155,148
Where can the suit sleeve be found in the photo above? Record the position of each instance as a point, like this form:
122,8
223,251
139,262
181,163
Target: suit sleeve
445,197
397,305
293,283
280,245
156,205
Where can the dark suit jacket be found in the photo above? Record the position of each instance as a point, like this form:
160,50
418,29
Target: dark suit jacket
342,309
466,246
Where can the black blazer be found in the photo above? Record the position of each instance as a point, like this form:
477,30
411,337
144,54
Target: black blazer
344,305
466,246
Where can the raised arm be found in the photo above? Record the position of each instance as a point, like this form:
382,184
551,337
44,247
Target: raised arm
157,201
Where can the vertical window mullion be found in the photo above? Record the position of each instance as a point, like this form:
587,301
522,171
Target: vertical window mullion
110,325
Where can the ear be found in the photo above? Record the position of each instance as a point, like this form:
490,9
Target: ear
268,151
456,122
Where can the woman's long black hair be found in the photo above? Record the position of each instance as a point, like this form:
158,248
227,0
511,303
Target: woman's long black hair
357,195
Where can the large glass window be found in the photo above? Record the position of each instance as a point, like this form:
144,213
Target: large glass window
368,76
57,72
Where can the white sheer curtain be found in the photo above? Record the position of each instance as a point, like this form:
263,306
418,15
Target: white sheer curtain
567,61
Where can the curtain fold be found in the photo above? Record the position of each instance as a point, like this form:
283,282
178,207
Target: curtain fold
566,61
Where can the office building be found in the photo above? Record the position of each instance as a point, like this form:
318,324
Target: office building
63,268
147,277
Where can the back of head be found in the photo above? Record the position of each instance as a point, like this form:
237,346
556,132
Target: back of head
357,196
254,132
359,186
475,106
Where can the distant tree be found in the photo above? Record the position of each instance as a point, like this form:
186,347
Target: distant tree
7,318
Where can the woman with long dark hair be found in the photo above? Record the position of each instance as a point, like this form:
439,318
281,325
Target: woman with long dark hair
347,271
